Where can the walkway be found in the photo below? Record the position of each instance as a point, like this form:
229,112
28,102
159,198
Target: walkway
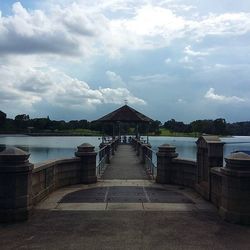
125,165
124,226
124,210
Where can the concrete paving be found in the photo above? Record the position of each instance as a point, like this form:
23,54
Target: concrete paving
176,198
117,229
56,225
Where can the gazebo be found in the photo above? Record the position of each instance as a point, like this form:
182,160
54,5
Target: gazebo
125,114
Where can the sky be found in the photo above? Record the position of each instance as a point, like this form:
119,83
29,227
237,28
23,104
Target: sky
170,59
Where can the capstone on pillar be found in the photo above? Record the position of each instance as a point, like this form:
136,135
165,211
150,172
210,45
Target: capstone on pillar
15,185
87,155
165,155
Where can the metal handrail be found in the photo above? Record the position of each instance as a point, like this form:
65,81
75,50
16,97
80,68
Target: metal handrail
103,157
101,161
151,162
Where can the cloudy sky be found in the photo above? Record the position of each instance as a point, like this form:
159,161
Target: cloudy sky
181,59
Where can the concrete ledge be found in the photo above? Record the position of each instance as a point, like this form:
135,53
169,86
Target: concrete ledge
46,164
185,161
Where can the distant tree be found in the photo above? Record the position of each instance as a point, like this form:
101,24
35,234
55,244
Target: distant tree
22,117
41,123
155,127
238,128
175,126
220,126
2,118
203,126
21,122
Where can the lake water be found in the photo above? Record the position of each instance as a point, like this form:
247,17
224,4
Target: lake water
51,147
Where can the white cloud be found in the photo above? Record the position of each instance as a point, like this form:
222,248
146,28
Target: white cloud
68,31
181,101
84,29
26,87
185,60
115,79
211,95
168,60
188,50
224,24
151,79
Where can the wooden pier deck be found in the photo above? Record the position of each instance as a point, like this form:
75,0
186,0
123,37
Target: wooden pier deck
125,165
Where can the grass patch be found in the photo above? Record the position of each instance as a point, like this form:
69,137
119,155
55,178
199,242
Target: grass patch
166,132
86,132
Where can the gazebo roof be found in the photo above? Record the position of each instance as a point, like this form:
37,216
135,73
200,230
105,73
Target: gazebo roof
125,114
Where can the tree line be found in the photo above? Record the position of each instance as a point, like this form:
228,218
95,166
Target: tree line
23,124
217,127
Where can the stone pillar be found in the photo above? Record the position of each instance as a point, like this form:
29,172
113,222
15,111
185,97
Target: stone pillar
15,185
235,198
165,155
209,155
87,155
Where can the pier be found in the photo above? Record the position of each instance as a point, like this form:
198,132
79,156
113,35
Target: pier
124,195
124,209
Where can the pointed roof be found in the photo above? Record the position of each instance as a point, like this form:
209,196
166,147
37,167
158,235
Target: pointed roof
125,114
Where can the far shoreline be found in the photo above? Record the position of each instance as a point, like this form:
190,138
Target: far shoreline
98,135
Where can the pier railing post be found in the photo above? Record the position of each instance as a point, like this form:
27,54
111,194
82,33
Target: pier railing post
15,185
87,155
165,155
138,151
113,147
107,152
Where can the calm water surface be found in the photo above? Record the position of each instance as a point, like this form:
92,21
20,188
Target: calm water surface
44,148
49,147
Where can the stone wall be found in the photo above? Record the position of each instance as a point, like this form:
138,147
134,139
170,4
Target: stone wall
216,186
23,184
51,175
183,172
227,187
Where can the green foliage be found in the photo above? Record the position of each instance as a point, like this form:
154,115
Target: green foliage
23,124
2,119
167,132
175,126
